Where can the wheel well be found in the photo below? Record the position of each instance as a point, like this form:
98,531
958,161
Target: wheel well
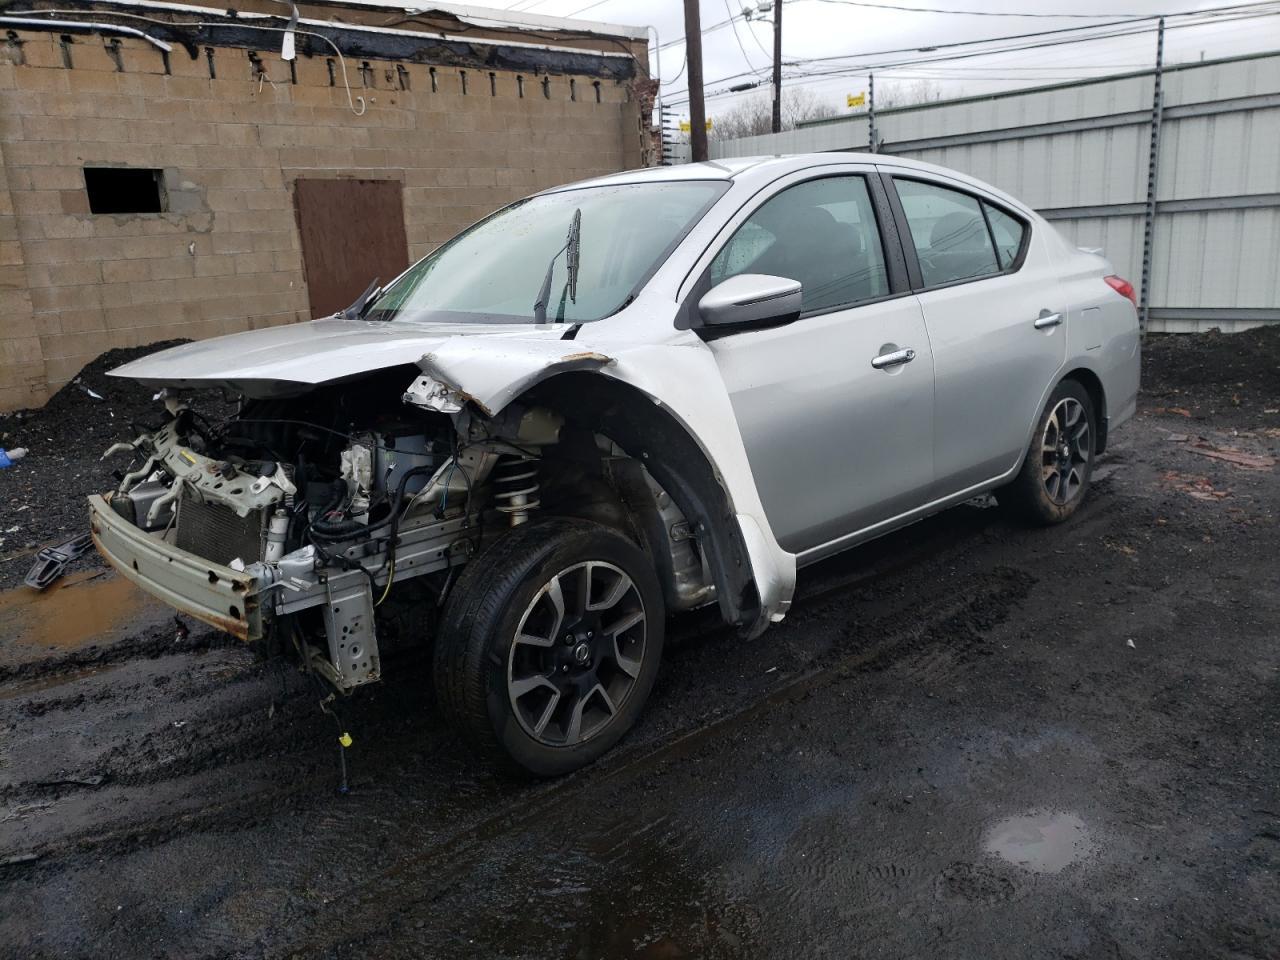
1097,396
656,440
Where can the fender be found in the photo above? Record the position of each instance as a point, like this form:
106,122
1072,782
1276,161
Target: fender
679,378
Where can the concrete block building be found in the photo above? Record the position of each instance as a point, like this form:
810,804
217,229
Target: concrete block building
166,172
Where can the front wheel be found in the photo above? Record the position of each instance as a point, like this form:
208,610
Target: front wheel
1055,475
549,645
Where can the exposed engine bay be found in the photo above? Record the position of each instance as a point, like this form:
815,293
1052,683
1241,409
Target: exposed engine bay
336,521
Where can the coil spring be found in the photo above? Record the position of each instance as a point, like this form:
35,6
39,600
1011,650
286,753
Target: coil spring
516,487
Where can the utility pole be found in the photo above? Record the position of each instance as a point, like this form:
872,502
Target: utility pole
697,111
777,66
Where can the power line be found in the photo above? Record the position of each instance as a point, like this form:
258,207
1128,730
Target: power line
1129,32
1129,29
750,66
1123,17
980,13
589,6
1126,28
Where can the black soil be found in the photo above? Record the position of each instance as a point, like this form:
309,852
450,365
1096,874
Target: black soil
43,495
1233,377
881,775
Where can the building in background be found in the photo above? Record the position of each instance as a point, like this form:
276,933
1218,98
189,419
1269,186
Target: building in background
165,172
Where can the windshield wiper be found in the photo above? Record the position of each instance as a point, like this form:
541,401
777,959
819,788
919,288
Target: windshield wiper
571,250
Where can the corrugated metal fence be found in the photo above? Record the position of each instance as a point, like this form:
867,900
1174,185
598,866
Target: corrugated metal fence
1080,154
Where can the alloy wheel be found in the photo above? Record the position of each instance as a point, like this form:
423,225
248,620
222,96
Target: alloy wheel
577,653
1066,447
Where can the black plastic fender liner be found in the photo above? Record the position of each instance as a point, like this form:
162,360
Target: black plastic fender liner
654,437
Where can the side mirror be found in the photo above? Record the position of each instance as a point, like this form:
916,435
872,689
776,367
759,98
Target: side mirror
751,298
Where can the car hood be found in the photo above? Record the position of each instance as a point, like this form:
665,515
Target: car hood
291,359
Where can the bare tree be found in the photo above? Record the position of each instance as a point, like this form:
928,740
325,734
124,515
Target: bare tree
902,94
754,116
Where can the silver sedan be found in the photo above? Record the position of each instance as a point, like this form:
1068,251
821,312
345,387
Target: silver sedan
616,399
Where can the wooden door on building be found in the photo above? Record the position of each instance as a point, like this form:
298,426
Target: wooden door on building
352,233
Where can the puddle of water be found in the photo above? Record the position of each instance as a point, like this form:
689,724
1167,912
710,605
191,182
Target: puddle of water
1041,842
74,612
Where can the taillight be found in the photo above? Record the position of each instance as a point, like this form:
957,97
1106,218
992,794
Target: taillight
1123,287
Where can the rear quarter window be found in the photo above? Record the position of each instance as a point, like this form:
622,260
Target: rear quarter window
1008,232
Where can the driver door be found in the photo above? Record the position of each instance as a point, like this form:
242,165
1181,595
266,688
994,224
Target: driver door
836,420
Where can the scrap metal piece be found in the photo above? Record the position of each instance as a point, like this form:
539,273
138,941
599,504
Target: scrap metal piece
51,562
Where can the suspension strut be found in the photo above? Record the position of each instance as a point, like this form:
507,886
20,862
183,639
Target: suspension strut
515,483
516,487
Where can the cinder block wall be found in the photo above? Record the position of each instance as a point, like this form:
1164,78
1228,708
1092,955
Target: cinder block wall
226,256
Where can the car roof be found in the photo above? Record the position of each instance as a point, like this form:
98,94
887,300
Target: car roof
732,168
766,168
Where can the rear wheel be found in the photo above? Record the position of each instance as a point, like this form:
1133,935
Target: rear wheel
1059,464
549,645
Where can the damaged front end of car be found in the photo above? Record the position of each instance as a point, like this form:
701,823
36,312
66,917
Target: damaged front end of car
329,521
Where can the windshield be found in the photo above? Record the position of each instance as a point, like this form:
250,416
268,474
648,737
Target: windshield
571,257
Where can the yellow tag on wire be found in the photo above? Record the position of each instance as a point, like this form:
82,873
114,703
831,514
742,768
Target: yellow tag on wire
345,739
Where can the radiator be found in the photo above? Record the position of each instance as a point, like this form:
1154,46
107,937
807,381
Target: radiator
214,532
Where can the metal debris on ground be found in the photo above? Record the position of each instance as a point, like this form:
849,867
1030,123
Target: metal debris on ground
51,562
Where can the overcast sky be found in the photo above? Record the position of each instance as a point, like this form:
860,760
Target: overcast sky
831,28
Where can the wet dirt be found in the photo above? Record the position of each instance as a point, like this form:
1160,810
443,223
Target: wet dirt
841,787
71,613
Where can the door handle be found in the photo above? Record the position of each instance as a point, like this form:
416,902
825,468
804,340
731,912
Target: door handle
1048,320
905,355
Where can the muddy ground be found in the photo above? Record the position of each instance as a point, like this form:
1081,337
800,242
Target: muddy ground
968,739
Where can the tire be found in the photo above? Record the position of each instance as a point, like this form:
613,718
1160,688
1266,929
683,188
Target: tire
1055,476
515,701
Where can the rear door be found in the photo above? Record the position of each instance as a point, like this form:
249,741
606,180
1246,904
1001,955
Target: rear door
836,444
994,309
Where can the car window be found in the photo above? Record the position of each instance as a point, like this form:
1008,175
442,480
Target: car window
1008,232
822,233
949,233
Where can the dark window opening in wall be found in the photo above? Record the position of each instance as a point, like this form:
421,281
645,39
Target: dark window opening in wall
293,70
546,87
463,74
213,71
366,73
333,76
403,76
65,42
435,85
124,189
573,89
493,84
520,87
596,84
